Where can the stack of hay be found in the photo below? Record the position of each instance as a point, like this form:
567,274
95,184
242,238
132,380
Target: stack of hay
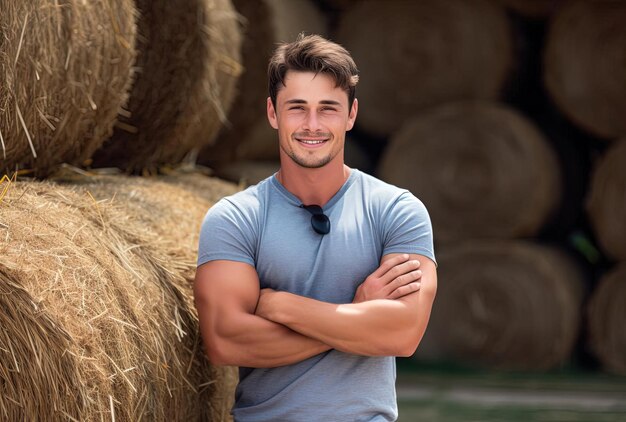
97,317
487,175
584,75
98,320
607,211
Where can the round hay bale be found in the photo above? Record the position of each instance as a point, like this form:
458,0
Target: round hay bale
67,70
508,305
189,57
117,301
584,68
482,169
424,53
606,204
607,318
267,23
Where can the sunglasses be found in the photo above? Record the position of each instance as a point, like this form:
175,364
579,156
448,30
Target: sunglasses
319,220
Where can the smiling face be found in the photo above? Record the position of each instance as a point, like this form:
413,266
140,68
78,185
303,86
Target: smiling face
312,116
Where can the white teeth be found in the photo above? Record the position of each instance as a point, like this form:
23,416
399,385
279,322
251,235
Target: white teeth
312,142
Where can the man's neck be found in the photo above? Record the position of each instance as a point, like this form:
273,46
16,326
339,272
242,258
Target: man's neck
313,185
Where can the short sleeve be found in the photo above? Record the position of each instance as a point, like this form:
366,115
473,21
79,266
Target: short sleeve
407,228
227,233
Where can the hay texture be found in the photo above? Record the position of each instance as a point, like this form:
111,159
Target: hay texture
482,169
266,23
97,320
66,68
607,318
504,305
424,53
584,65
607,202
189,63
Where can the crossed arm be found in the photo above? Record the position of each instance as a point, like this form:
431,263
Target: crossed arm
244,326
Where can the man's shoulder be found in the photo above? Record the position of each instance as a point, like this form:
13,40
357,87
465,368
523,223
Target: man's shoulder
379,190
251,199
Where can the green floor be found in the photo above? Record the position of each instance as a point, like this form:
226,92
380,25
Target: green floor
445,394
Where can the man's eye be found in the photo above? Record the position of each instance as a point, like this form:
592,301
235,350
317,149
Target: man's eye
296,108
328,109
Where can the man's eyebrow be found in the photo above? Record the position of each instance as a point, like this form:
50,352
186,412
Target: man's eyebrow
325,102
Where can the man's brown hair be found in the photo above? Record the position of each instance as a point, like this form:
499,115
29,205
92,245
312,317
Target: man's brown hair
312,53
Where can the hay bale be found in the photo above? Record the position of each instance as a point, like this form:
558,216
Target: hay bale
606,204
189,57
607,318
67,70
91,282
482,169
424,53
584,68
509,305
267,23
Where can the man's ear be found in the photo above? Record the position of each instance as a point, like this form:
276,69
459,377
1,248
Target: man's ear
271,113
352,116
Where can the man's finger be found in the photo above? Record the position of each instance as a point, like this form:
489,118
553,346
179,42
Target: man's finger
404,279
389,264
399,270
406,290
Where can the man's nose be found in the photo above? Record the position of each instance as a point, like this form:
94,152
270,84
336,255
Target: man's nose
312,122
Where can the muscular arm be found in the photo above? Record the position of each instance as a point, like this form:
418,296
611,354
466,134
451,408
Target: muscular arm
380,327
226,295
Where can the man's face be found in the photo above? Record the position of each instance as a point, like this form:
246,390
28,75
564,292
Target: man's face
312,117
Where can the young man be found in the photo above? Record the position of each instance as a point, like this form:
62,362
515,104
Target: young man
315,279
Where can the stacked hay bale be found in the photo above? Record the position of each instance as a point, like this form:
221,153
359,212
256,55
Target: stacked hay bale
583,69
584,75
423,54
67,69
482,169
98,319
487,174
248,138
505,304
189,61
607,316
607,208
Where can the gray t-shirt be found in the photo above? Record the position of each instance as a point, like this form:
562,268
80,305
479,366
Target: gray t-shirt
265,227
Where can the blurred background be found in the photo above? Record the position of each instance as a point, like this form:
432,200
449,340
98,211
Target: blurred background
507,118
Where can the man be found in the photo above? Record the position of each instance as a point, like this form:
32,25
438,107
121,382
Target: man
315,279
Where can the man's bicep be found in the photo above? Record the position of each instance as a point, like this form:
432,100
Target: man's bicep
226,285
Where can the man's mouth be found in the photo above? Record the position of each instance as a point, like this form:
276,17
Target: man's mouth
311,141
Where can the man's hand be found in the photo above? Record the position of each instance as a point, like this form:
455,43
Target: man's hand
394,278
264,307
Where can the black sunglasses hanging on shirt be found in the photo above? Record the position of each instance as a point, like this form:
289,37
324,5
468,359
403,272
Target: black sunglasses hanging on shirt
319,221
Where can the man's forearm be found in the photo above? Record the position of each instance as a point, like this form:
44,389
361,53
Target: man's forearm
373,328
260,343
